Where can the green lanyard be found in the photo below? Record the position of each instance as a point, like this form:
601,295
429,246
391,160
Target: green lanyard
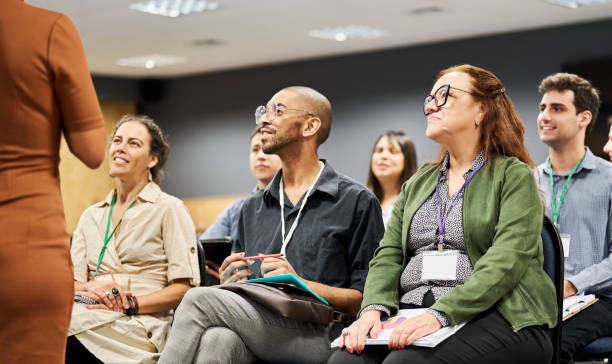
556,206
107,237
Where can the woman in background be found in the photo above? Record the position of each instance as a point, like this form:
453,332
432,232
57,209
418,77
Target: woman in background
134,254
393,161
45,90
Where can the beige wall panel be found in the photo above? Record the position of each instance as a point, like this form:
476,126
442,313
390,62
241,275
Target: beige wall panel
204,210
81,186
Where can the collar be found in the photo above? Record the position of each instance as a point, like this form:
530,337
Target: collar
150,193
589,162
327,183
445,163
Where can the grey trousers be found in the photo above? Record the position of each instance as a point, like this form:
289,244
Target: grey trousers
218,326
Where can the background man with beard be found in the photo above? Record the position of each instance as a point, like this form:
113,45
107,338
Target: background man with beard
327,227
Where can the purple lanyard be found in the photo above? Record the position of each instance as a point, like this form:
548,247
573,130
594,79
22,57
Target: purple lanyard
442,221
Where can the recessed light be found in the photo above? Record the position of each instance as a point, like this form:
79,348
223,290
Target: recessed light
206,42
349,32
174,8
575,4
426,10
150,61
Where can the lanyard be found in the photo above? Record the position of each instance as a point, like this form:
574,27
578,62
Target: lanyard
281,193
442,220
556,205
107,237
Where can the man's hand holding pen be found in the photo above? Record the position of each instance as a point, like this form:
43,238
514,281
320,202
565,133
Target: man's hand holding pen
230,271
277,265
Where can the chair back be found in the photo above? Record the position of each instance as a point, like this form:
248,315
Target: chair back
554,266
202,263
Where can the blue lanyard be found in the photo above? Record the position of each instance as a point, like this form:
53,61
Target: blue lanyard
442,220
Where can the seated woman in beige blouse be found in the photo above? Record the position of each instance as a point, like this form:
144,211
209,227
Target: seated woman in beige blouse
134,254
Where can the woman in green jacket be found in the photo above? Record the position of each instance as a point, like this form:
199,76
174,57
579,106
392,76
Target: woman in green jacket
463,241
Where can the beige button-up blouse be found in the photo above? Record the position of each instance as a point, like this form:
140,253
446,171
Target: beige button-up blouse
154,245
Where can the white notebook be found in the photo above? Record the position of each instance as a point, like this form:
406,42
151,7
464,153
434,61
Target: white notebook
429,341
574,304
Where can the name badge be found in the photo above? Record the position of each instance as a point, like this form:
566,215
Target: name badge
440,266
565,240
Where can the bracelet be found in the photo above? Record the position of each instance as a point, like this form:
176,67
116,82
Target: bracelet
133,309
135,305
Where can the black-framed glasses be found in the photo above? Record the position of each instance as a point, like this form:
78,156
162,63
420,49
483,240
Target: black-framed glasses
272,111
440,96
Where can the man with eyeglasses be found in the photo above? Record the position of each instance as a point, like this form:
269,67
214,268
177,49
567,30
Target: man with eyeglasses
578,199
325,226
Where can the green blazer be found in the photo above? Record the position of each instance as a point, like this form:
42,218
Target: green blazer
502,225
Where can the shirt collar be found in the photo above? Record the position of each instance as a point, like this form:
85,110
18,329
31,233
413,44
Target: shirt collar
589,162
327,183
150,193
445,163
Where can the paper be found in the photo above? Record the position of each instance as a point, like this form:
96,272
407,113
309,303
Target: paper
565,240
574,304
428,341
439,266
291,279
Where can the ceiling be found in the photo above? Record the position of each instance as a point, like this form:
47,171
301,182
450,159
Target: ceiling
243,33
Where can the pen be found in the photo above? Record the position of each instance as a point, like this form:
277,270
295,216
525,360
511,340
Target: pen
262,257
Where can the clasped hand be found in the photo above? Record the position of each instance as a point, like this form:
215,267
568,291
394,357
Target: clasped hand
230,270
404,334
101,291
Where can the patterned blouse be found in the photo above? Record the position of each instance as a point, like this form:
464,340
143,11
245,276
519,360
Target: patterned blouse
423,237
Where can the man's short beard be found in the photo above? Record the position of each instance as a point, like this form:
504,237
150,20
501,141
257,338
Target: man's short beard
276,142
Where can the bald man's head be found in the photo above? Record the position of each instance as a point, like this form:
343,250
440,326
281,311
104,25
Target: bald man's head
317,104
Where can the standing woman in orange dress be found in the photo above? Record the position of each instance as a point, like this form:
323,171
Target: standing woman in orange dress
45,89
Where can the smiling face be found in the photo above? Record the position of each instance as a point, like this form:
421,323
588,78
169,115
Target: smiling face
387,160
286,127
456,119
129,152
558,123
263,166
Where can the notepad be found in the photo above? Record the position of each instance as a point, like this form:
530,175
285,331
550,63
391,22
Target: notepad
429,341
291,279
574,304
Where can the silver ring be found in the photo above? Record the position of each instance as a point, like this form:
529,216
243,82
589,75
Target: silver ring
115,291
106,293
346,331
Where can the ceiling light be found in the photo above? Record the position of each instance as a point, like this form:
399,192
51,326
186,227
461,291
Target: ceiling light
350,32
150,61
206,42
574,4
174,8
426,10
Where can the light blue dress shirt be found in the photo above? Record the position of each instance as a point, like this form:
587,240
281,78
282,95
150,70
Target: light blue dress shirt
586,215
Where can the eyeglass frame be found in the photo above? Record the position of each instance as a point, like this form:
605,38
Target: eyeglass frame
259,115
430,97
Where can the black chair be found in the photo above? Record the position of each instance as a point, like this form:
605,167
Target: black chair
553,266
202,263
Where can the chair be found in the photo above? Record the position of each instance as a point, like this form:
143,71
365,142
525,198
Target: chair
202,263
600,349
553,266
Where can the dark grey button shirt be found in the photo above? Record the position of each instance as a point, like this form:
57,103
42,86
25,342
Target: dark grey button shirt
337,233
